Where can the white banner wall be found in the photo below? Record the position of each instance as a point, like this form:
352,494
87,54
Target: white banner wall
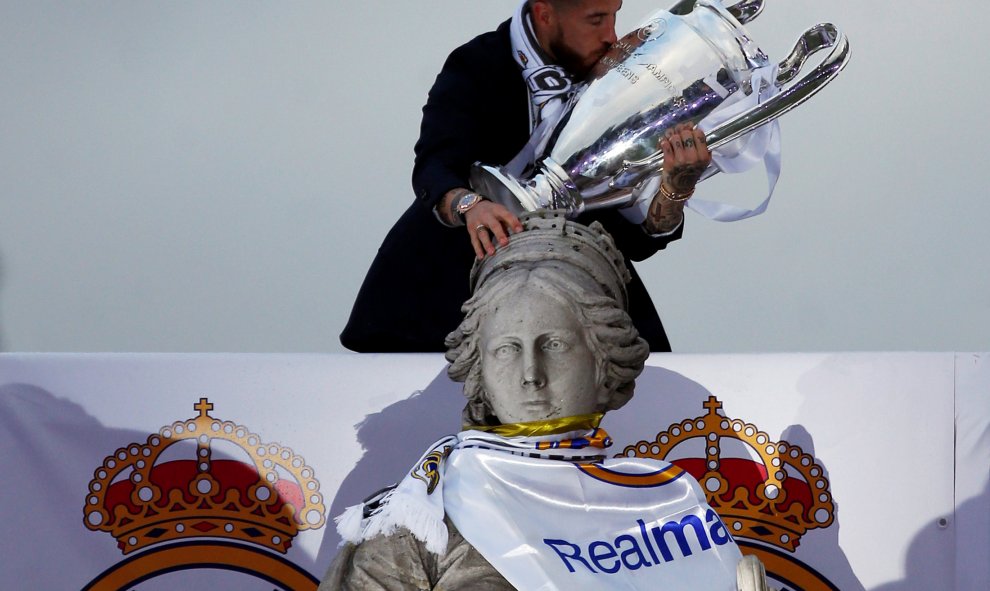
148,472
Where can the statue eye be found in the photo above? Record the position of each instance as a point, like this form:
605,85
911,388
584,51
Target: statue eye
555,345
506,350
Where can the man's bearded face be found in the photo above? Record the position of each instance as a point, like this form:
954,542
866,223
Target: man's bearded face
582,34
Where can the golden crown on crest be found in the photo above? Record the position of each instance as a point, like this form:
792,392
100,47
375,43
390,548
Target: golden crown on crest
774,499
166,489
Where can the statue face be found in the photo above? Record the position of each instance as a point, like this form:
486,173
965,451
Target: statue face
535,360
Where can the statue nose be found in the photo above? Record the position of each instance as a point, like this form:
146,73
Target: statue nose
532,380
533,374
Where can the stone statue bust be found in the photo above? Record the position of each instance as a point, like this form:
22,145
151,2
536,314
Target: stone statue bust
546,332
545,349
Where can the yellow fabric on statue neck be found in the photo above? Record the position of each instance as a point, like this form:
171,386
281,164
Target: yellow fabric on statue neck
537,428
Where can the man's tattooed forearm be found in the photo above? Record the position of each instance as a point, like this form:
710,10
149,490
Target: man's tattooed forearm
664,216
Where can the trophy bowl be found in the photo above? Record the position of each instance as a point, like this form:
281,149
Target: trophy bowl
676,67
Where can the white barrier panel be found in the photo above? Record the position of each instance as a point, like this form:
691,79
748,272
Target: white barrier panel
155,472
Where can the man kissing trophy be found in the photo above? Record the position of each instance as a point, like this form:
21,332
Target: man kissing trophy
524,496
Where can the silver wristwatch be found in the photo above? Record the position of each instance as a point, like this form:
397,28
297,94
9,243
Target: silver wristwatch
466,202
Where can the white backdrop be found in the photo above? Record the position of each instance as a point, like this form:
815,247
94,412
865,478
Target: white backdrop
217,176
903,440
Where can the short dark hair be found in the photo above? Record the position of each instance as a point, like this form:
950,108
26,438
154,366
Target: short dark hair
557,4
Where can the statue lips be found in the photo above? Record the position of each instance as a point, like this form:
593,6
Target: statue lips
540,405
537,403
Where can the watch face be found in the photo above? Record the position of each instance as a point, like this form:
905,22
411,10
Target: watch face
467,201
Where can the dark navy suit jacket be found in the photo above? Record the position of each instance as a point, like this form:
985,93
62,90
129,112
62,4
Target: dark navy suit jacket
477,110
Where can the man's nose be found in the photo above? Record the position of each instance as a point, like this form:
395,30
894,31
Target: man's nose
534,375
609,38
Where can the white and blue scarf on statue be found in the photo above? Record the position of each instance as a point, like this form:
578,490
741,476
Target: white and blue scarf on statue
548,511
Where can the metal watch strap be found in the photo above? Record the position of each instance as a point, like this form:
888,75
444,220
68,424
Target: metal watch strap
455,214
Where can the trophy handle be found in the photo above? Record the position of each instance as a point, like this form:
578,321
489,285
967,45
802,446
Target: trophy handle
746,10
814,39
743,11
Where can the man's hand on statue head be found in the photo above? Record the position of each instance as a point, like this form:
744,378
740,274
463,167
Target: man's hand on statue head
685,158
487,223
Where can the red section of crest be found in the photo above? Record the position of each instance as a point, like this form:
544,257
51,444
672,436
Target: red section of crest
740,472
229,474
290,493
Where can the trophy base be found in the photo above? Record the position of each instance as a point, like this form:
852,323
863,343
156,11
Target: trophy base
548,189
501,188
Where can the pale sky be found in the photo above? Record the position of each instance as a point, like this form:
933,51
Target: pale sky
217,176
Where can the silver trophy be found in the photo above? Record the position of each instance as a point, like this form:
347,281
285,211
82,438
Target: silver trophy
676,67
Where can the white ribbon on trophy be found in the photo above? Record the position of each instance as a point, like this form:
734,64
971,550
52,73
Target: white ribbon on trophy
760,145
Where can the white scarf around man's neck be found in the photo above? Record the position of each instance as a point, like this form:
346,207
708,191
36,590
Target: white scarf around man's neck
549,85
